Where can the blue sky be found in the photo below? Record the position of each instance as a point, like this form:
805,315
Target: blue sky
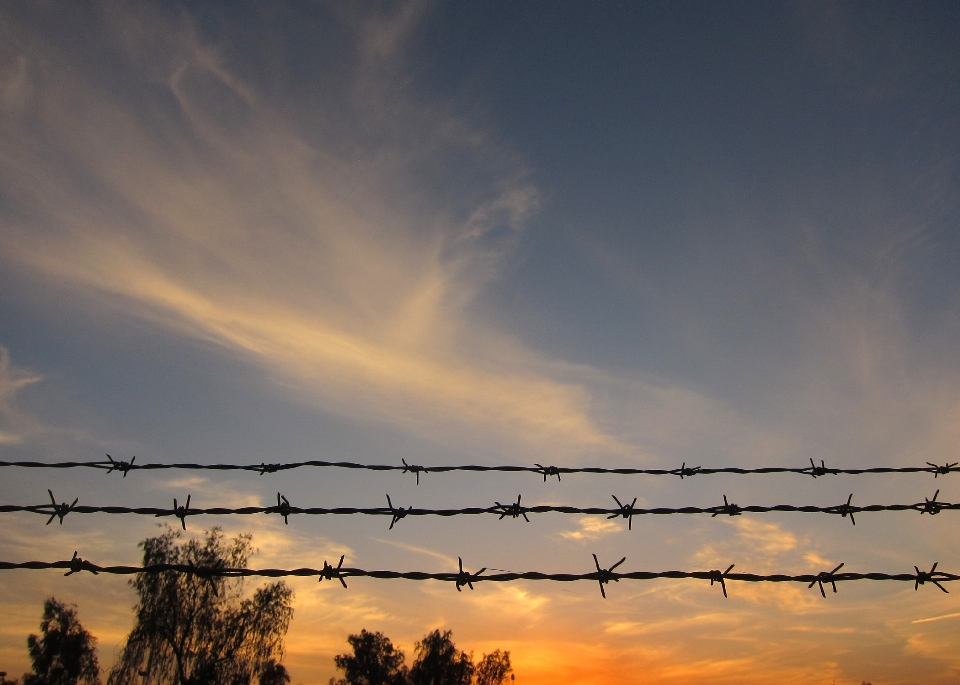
633,234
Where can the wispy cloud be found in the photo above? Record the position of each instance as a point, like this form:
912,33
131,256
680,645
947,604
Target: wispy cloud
591,528
765,537
14,423
762,543
315,265
936,618
445,558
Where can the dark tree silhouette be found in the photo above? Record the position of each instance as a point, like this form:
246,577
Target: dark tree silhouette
4,681
274,674
198,630
375,661
439,662
493,668
66,653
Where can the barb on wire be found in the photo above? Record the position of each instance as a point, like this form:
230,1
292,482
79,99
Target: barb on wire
121,466
605,575
548,471
717,577
727,508
684,471
413,468
845,509
928,577
626,511
468,579
283,507
184,511
931,506
210,573
817,471
514,510
77,564
825,577
328,572
60,510
396,513
941,470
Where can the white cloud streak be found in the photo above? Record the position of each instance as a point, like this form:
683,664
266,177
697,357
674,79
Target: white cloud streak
308,263
15,425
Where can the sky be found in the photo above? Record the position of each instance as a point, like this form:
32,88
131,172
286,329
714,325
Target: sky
580,234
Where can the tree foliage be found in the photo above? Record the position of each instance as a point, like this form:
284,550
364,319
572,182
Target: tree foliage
274,674
439,662
200,630
375,661
66,653
493,668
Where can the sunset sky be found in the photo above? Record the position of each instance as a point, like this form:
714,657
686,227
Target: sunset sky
573,233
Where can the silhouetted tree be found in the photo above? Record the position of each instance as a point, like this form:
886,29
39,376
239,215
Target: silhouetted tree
274,674
197,630
439,662
4,681
66,653
375,661
493,668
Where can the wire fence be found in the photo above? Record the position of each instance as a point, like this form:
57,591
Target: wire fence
60,510
461,578
112,465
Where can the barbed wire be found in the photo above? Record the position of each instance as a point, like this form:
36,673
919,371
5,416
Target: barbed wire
124,467
461,578
60,510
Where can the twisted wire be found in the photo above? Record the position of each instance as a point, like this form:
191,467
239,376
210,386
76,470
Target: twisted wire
513,510
124,467
461,578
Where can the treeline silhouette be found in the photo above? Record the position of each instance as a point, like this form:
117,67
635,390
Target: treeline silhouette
375,661
193,629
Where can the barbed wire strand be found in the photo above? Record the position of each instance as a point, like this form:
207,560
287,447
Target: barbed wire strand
124,467
514,510
603,576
